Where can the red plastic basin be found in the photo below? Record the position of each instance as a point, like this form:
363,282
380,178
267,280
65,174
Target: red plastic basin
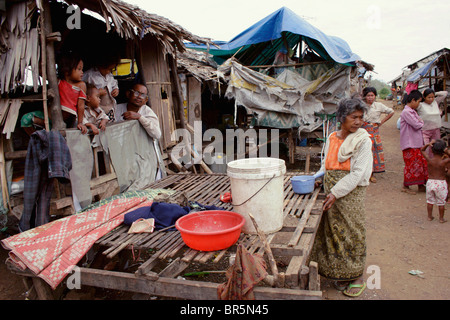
210,230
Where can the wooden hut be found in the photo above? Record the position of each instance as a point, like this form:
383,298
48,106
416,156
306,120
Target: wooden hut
32,35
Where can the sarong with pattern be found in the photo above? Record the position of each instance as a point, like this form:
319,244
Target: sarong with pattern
416,168
340,244
377,147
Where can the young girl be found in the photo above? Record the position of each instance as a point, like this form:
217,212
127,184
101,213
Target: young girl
72,91
373,120
72,97
411,141
430,113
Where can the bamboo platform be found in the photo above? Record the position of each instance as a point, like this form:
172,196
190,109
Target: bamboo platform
160,274
168,260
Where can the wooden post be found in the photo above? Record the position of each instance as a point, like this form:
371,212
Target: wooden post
314,277
55,109
270,257
291,146
44,72
445,87
176,82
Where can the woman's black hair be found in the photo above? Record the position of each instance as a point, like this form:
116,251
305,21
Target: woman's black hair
348,106
67,62
367,90
427,91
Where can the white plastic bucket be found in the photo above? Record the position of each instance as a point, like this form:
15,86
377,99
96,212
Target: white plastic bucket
257,187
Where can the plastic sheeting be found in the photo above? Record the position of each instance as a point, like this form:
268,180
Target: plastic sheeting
289,101
131,151
422,71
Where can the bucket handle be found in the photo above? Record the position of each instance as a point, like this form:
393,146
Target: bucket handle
237,205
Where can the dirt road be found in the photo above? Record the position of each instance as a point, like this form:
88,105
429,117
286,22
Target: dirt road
399,236
399,239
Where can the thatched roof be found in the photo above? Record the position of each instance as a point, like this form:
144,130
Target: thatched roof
20,45
130,22
199,64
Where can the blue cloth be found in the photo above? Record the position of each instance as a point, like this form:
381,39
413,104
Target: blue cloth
165,214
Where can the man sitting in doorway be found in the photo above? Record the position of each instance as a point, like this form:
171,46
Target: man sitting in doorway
136,109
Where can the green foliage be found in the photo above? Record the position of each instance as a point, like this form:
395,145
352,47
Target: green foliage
383,93
383,88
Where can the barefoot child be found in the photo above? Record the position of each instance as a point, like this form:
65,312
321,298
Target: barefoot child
411,140
437,187
94,117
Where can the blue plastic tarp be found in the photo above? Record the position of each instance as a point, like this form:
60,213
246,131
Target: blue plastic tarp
285,20
416,75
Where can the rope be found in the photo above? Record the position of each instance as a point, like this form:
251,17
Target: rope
237,205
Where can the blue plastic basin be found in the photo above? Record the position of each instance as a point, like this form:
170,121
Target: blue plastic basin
304,184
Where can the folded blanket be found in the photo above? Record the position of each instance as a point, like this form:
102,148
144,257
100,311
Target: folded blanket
165,214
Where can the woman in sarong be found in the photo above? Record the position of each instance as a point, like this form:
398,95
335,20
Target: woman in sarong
372,122
340,244
411,141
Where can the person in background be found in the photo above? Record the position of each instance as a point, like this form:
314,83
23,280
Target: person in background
136,109
372,122
430,113
411,141
340,244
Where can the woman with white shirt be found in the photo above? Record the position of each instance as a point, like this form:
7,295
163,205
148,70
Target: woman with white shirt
430,113
372,123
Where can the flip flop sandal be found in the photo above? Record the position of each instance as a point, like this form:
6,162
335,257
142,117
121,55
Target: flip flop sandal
339,286
352,285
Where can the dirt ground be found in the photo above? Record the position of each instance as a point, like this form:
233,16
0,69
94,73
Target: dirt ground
399,239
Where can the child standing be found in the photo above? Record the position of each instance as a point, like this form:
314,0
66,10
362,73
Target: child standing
437,187
94,117
72,96
72,91
411,141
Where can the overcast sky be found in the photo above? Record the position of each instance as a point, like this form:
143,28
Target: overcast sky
387,33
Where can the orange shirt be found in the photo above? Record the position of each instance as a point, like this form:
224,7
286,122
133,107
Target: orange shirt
331,162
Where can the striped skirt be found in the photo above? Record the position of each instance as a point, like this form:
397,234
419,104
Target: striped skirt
340,244
377,147
416,170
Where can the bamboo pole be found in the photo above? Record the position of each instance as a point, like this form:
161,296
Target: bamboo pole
176,82
445,88
44,72
289,65
273,264
54,106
